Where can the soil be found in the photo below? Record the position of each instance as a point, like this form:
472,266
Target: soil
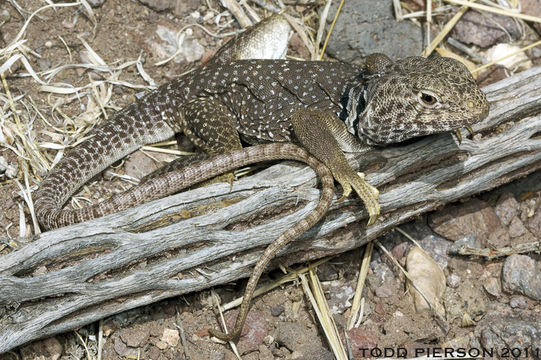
178,328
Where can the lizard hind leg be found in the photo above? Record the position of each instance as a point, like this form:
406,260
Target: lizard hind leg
211,127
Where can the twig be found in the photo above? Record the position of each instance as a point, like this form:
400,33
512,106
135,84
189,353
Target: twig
237,12
496,253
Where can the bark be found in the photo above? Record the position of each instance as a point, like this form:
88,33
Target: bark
210,236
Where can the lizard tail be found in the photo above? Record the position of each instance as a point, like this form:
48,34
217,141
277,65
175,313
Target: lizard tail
136,125
327,192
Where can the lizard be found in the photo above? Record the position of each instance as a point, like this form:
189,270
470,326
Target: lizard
326,107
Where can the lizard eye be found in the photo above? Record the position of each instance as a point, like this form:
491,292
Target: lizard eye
428,99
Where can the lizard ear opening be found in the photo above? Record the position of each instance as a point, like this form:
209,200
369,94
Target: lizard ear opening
428,99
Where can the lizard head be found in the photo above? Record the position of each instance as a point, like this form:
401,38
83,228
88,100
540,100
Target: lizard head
418,96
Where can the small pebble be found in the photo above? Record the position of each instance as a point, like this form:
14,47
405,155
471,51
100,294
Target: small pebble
386,290
170,336
492,286
4,15
277,310
428,278
96,3
68,24
521,275
517,302
162,345
48,44
453,280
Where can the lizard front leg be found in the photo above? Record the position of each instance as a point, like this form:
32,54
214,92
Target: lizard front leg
210,126
324,136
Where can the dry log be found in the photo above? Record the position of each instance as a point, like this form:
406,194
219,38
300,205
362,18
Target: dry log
210,236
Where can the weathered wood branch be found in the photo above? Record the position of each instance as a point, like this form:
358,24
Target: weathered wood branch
212,235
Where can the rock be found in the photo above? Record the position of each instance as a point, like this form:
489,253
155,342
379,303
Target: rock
5,16
470,240
492,286
428,277
265,353
362,339
339,293
497,331
532,8
506,208
122,349
48,349
438,248
453,280
159,5
96,3
139,164
399,252
171,337
386,290
484,29
153,352
381,280
162,345
498,238
44,64
473,217
534,224
135,336
277,310
367,26
184,7
516,228
517,302
381,272
521,275
296,339
254,330
155,327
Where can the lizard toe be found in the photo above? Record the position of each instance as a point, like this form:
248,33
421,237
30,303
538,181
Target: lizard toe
369,195
346,190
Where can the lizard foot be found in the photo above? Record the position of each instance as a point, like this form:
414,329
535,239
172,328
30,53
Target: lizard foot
368,193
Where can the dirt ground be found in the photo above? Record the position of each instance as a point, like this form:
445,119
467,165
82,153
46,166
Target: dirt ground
479,300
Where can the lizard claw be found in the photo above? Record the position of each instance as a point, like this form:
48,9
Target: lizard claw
368,194
346,191
371,202
230,177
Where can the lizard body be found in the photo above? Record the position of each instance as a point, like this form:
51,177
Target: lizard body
262,101
326,107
